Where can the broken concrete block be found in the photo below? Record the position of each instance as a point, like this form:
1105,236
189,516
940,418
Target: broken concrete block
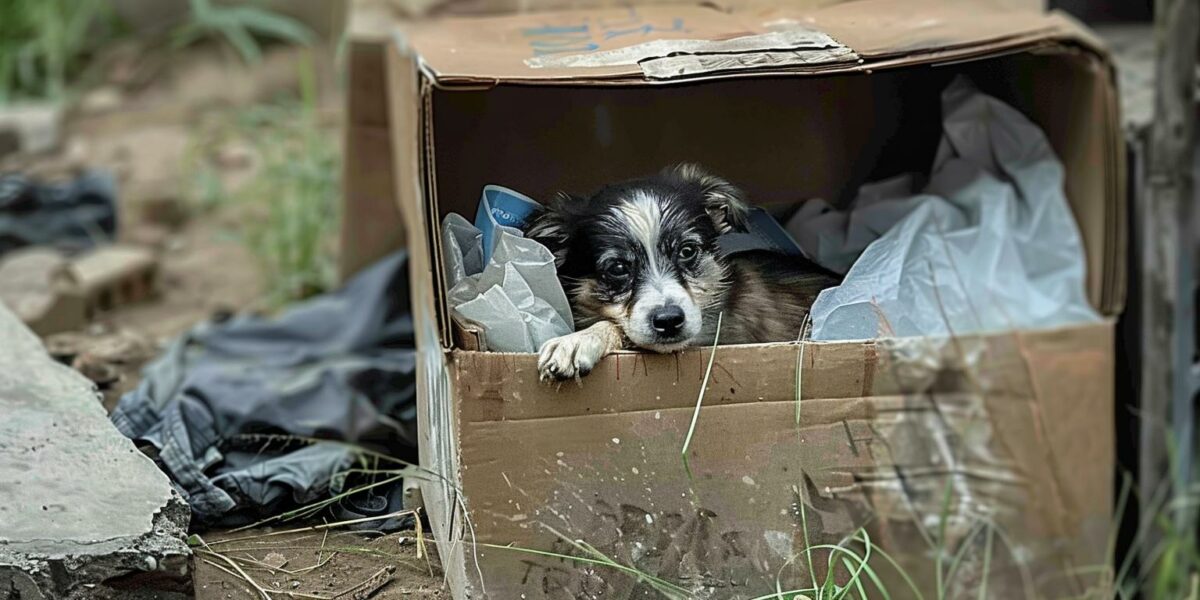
36,284
83,513
112,276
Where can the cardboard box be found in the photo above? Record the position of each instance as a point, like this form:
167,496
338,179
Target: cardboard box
931,447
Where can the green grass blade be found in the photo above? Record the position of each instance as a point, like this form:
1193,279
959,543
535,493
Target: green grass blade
987,564
243,42
912,586
855,581
687,441
269,24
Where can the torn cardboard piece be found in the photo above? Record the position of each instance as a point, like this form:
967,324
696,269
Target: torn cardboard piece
662,59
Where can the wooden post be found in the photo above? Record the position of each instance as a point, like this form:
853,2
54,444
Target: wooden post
1167,382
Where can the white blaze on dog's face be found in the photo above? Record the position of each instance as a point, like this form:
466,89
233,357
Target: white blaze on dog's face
644,255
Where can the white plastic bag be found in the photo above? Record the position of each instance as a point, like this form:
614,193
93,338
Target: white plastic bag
990,245
516,297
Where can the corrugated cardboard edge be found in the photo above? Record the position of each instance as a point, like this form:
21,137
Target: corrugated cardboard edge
436,419
842,23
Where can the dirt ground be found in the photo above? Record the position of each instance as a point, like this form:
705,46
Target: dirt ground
145,137
350,563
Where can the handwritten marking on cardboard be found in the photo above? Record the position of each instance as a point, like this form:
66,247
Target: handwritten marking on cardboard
587,34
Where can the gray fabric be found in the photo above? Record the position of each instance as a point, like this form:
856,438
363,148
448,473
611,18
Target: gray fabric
71,216
337,367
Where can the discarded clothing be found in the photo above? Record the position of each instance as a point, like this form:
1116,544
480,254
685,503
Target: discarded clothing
991,243
70,216
231,408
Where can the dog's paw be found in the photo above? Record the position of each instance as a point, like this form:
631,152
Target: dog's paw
571,356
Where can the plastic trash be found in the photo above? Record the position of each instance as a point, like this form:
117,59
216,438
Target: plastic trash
516,296
989,245
501,209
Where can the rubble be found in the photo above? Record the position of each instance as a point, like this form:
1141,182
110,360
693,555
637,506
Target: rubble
35,284
83,513
51,293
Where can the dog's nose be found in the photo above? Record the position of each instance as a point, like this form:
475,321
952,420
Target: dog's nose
667,320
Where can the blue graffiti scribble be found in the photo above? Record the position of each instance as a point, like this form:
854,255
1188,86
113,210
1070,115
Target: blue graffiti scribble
647,29
581,38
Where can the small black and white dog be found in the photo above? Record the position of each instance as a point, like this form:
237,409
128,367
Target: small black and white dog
641,266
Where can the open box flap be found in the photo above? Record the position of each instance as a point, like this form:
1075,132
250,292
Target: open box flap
664,42
473,54
369,16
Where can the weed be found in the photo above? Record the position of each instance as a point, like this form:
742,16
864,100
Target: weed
238,25
43,44
288,208
300,186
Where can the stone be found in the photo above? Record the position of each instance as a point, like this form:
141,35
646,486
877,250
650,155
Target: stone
115,275
275,560
83,513
235,155
36,284
102,99
37,128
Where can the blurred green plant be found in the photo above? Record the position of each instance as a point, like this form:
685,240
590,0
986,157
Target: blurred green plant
43,43
238,25
288,209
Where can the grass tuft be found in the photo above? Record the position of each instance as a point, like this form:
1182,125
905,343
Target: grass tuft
240,25
288,210
45,43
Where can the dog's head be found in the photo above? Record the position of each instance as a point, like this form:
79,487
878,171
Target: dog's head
644,253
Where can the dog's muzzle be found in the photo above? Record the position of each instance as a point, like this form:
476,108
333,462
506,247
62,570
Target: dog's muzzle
667,322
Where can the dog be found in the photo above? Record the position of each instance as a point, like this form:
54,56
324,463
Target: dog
642,268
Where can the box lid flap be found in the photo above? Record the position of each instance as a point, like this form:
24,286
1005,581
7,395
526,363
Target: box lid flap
664,42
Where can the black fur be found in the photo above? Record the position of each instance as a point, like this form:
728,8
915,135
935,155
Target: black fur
603,253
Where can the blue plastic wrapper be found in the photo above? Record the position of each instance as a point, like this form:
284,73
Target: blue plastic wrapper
501,207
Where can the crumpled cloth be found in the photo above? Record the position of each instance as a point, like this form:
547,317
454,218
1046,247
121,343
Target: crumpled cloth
516,297
70,216
338,367
990,244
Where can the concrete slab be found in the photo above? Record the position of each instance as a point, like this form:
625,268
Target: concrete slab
83,513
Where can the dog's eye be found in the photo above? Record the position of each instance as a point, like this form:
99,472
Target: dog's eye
688,252
617,269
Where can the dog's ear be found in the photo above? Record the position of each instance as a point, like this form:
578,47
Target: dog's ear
724,202
553,225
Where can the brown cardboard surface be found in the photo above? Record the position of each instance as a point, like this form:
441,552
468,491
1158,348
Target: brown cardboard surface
517,47
1012,431
371,225
1015,429
426,8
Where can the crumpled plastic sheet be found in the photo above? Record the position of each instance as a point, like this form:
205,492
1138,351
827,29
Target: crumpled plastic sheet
516,297
989,245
